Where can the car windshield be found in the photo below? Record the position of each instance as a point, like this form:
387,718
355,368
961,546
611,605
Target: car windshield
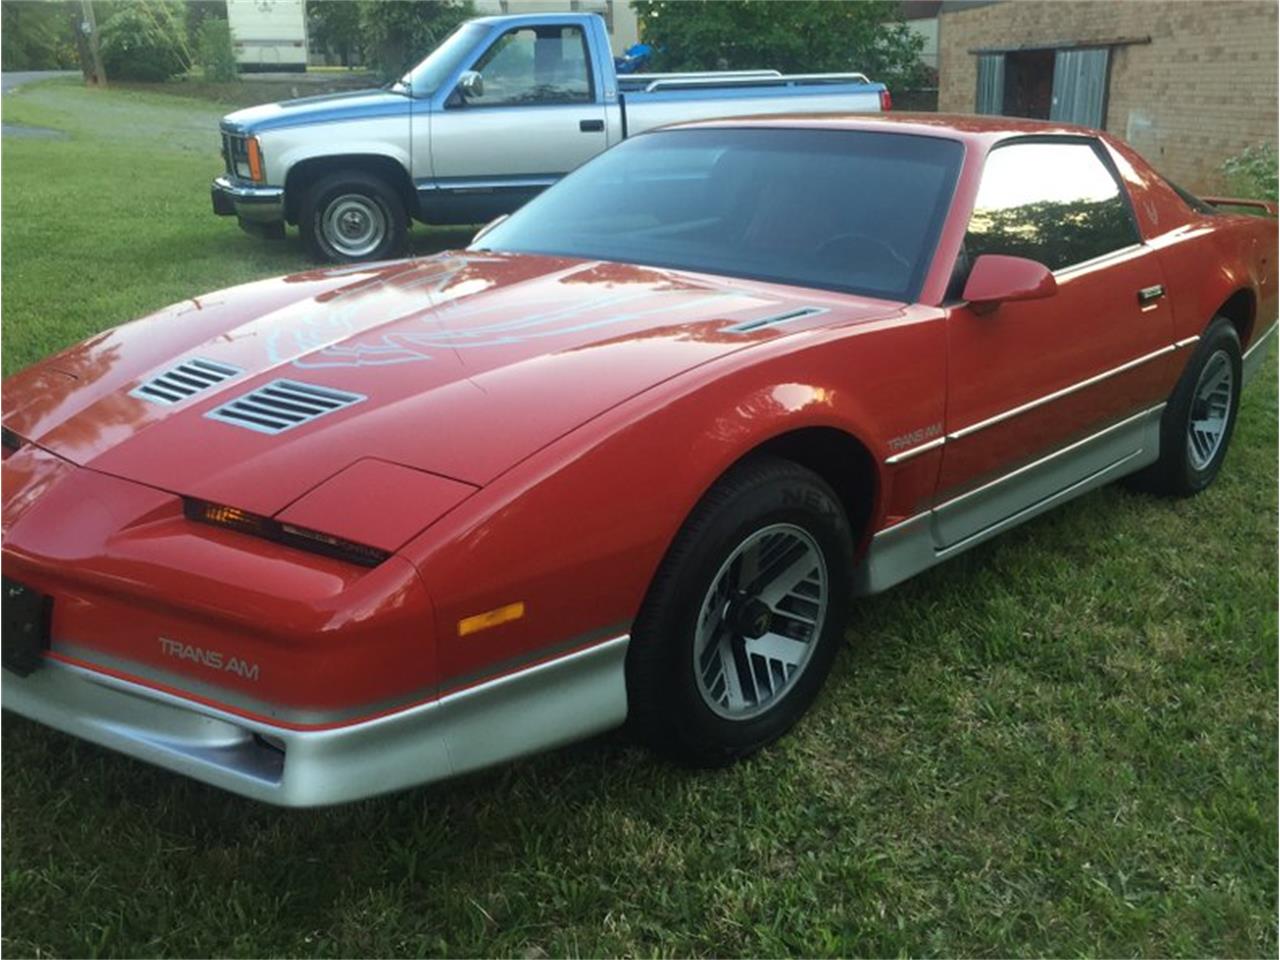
835,209
425,79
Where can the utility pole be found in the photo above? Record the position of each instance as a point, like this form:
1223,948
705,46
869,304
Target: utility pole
85,29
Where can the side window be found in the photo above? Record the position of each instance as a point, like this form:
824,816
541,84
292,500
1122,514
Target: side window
535,65
1054,202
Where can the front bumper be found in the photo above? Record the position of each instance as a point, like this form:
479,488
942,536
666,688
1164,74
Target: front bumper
283,675
550,703
252,204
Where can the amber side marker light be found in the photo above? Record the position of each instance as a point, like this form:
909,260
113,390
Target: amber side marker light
255,159
313,541
490,618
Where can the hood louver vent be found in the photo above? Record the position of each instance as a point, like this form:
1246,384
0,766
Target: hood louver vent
750,325
185,380
281,405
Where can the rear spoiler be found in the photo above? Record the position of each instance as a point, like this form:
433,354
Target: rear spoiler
1266,206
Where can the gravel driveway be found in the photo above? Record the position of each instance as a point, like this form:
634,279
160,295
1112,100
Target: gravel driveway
13,79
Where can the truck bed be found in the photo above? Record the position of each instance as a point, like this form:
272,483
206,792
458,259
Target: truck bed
703,97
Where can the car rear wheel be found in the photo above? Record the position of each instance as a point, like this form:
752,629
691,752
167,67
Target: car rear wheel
1200,417
351,216
744,618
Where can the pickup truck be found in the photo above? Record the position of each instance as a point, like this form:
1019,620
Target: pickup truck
499,111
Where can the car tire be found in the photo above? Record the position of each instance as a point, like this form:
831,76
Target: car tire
702,640
1207,395
351,216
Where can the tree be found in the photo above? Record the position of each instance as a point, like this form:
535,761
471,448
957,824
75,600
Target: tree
144,41
396,34
800,36
334,25
84,28
194,15
36,36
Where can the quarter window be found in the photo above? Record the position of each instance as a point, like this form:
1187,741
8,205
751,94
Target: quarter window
1054,202
535,65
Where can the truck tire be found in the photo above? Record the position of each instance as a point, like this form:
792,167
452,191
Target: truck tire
349,216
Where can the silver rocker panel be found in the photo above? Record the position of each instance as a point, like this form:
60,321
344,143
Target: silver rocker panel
927,539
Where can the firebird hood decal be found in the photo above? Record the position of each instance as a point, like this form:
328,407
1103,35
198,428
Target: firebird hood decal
469,365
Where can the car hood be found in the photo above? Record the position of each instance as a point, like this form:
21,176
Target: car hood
358,104
464,365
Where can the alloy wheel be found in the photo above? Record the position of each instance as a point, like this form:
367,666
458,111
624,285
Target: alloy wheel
760,621
1210,410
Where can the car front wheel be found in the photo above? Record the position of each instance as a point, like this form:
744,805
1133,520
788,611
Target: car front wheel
744,618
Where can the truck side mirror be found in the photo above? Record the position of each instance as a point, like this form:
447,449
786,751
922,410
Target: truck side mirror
471,83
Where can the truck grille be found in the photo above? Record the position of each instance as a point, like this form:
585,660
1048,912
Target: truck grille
227,154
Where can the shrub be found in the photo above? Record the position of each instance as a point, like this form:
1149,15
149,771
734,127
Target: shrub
799,36
397,34
217,55
142,43
1252,172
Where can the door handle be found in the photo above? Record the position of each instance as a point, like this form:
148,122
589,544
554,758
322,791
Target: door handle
1150,294
591,126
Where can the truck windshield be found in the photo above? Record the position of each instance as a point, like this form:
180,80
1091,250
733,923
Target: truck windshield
425,79
834,209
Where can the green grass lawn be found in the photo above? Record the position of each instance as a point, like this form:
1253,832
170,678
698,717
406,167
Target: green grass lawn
117,220
1063,742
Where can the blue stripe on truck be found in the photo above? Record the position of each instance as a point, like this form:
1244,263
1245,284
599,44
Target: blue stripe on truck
335,114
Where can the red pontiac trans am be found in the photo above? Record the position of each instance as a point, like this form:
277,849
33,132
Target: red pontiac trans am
629,457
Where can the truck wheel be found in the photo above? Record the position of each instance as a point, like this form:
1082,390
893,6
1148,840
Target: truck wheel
350,216
1200,417
744,617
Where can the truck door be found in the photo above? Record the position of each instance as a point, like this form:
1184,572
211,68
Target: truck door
537,113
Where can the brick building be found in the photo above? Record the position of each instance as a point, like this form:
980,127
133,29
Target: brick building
1187,82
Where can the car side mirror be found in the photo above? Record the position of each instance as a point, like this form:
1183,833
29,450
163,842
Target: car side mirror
489,226
996,279
471,83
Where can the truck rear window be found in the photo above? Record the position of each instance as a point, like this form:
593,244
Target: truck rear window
842,210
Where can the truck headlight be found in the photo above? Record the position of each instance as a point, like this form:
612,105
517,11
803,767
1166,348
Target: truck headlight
246,159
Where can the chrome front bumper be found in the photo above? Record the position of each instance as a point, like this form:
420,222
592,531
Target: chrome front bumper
252,204
551,703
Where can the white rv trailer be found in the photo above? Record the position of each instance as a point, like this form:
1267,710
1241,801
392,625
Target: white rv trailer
268,34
